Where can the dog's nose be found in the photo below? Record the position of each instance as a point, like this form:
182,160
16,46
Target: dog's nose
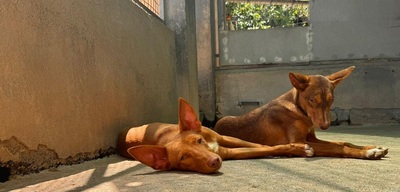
324,125
215,162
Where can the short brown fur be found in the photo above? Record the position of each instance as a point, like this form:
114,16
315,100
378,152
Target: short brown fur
291,118
188,146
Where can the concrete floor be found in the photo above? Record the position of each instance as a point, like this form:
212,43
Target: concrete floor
270,174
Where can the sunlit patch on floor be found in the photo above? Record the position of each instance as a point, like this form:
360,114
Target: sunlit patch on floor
106,186
134,184
115,168
65,183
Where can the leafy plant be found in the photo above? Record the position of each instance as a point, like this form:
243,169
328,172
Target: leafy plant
247,16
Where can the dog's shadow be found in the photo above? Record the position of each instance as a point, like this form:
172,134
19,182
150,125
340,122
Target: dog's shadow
313,159
168,172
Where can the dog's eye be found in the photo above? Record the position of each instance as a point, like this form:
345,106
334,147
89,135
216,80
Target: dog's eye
183,157
330,99
312,100
199,141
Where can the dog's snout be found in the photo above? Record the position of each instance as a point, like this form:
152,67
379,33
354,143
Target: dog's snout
325,121
324,125
214,162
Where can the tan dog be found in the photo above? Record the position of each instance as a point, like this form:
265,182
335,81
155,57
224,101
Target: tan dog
291,118
188,146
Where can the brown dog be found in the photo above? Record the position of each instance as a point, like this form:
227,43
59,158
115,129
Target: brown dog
188,146
291,118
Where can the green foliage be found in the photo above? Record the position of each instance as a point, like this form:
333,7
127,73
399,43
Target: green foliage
260,16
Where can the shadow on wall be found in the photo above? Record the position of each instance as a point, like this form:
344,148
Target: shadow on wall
5,173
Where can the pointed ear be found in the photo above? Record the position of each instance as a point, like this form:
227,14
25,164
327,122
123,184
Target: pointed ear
339,76
187,117
298,81
153,156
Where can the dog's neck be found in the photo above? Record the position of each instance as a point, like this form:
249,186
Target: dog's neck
296,96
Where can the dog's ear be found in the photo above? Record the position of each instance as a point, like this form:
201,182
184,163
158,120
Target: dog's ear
339,76
187,117
153,156
298,81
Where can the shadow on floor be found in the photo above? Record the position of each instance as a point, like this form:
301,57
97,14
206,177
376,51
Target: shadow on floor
372,130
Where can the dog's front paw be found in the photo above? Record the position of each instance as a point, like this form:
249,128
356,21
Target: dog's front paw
309,150
385,150
300,149
376,153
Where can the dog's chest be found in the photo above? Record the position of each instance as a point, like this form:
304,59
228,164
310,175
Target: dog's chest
213,145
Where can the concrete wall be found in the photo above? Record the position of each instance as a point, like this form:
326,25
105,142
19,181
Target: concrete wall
205,57
371,85
281,45
342,33
180,17
356,29
74,73
362,29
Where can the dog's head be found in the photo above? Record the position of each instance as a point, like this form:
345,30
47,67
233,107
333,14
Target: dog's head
315,94
189,151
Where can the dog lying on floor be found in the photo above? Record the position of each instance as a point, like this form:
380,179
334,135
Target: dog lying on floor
292,117
188,146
